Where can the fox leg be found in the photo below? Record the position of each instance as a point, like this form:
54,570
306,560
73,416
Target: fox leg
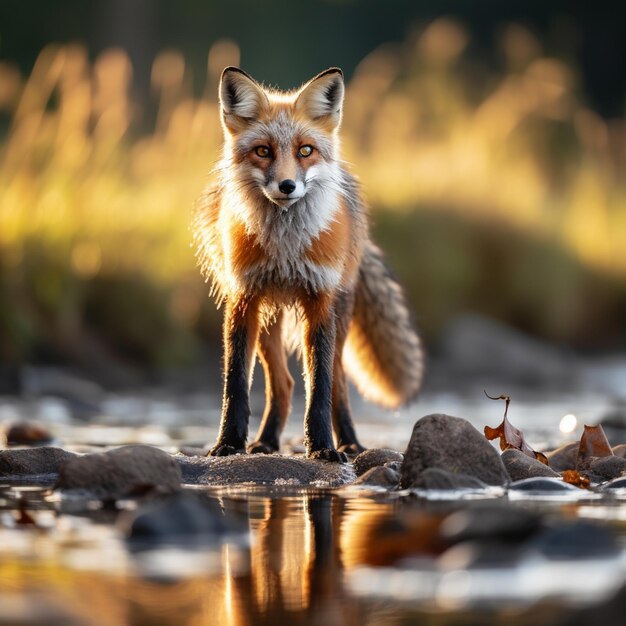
319,331
278,388
343,427
241,328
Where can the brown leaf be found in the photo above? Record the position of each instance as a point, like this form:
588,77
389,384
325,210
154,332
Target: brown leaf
593,443
574,478
511,437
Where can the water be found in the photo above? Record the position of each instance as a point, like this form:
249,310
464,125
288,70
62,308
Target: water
301,556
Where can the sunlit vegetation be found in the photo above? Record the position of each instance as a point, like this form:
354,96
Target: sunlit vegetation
97,190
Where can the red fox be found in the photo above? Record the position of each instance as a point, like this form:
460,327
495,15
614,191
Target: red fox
285,228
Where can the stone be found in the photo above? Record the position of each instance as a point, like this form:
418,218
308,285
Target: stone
616,483
454,445
620,450
435,478
542,485
121,472
23,464
564,458
27,433
375,457
262,469
601,468
520,466
379,476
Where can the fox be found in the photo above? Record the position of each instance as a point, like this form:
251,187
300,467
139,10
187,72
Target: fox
283,234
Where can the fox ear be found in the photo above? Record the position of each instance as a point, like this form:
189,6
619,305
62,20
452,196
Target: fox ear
321,98
241,97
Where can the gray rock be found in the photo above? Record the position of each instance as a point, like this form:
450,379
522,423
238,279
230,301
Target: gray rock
451,444
602,468
262,469
564,458
616,483
520,466
374,457
379,476
435,478
21,464
27,433
620,450
542,485
120,472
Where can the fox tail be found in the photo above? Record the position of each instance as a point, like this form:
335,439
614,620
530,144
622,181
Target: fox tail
383,353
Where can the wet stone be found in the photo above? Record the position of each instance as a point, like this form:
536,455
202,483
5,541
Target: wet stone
541,485
379,476
375,457
27,433
25,463
616,483
435,478
564,458
600,469
520,466
122,472
454,445
262,469
620,450
578,540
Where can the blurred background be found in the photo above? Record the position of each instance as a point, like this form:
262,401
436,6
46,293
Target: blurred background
490,139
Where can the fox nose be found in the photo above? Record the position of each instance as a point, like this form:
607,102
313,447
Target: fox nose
287,186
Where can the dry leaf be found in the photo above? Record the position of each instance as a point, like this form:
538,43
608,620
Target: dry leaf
511,437
574,478
593,443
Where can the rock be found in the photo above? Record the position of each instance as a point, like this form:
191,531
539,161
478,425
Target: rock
26,463
479,347
375,457
181,518
435,478
26,433
601,468
263,469
620,450
616,483
454,445
564,458
379,476
491,521
520,466
121,472
577,540
542,485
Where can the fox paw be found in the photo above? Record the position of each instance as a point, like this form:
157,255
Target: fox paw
225,450
328,454
351,449
260,447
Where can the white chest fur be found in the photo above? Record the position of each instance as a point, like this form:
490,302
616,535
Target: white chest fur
286,236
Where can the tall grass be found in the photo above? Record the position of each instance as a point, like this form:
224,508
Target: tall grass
89,195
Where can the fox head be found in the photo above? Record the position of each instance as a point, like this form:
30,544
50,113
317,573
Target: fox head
281,144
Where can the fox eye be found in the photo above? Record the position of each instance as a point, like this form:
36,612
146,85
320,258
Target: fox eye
305,151
262,151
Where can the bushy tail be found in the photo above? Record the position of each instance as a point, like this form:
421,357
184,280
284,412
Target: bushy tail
383,353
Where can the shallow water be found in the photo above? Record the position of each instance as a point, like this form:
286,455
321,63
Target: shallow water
302,556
